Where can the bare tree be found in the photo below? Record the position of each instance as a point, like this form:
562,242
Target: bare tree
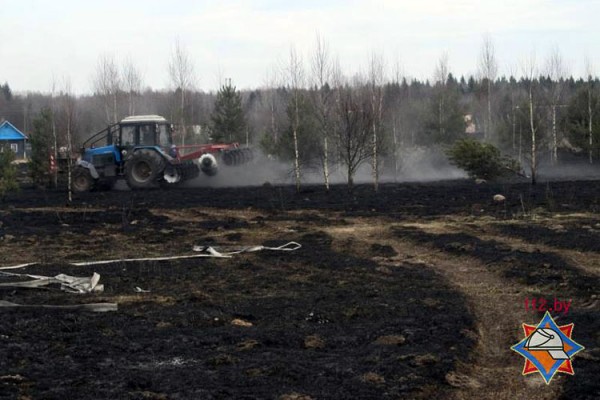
107,84
589,72
271,83
512,70
132,81
270,116
556,71
396,117
488,68
54,135
355,119
182,75
68,109
529,70
321,77
440,78
376,79
295,76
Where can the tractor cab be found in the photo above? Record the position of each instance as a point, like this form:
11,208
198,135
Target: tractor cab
109,147
123,137
144,130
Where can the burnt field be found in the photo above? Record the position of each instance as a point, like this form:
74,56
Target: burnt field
414,292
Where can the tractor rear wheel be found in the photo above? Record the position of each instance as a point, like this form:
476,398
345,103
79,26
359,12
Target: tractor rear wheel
82,180
144,169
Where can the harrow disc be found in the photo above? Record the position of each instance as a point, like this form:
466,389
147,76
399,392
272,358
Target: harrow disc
236,157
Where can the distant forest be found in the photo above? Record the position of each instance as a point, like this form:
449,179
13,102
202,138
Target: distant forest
315,114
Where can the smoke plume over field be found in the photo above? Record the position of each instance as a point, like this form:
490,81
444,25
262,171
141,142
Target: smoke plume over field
417,165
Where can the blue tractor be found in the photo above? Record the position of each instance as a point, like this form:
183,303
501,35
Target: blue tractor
139,149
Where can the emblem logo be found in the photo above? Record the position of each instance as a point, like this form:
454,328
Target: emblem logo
547,348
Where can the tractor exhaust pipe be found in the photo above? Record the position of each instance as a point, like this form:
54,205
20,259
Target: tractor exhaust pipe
208,164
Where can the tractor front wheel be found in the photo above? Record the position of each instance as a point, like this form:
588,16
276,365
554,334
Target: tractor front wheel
82,180
144,169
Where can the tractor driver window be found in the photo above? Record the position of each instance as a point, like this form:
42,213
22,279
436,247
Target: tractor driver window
163,135
127,135
147,135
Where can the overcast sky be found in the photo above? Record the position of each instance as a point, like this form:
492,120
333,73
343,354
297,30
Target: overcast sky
244,40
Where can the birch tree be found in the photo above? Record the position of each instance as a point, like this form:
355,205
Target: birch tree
182,76
271,84
295,77
68,109
440,78
556,71
107,84
321,80
376,79
132,82
529,71
589,72
54,135
395,114
446,121
513,87
488,69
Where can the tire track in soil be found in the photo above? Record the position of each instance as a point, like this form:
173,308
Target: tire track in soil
532,274
494,372
588,261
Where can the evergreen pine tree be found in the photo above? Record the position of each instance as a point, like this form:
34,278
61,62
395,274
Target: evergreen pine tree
41,144
309,143
228,121
6,91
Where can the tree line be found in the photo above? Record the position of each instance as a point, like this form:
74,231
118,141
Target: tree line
313,115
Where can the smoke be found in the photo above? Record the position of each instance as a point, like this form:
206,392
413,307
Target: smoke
566,172
425,164
259,171
573,164
417,164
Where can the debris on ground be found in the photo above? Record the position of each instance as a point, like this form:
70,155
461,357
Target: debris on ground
498,198
314,317
314,342
70,284
372,377
247,344
241,322
212,251
94,307
205,251
391,340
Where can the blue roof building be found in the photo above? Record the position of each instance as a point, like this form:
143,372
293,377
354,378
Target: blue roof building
13,139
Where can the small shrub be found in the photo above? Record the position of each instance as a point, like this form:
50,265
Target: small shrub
8,172
480,160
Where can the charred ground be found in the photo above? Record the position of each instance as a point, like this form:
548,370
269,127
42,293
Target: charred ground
414,292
